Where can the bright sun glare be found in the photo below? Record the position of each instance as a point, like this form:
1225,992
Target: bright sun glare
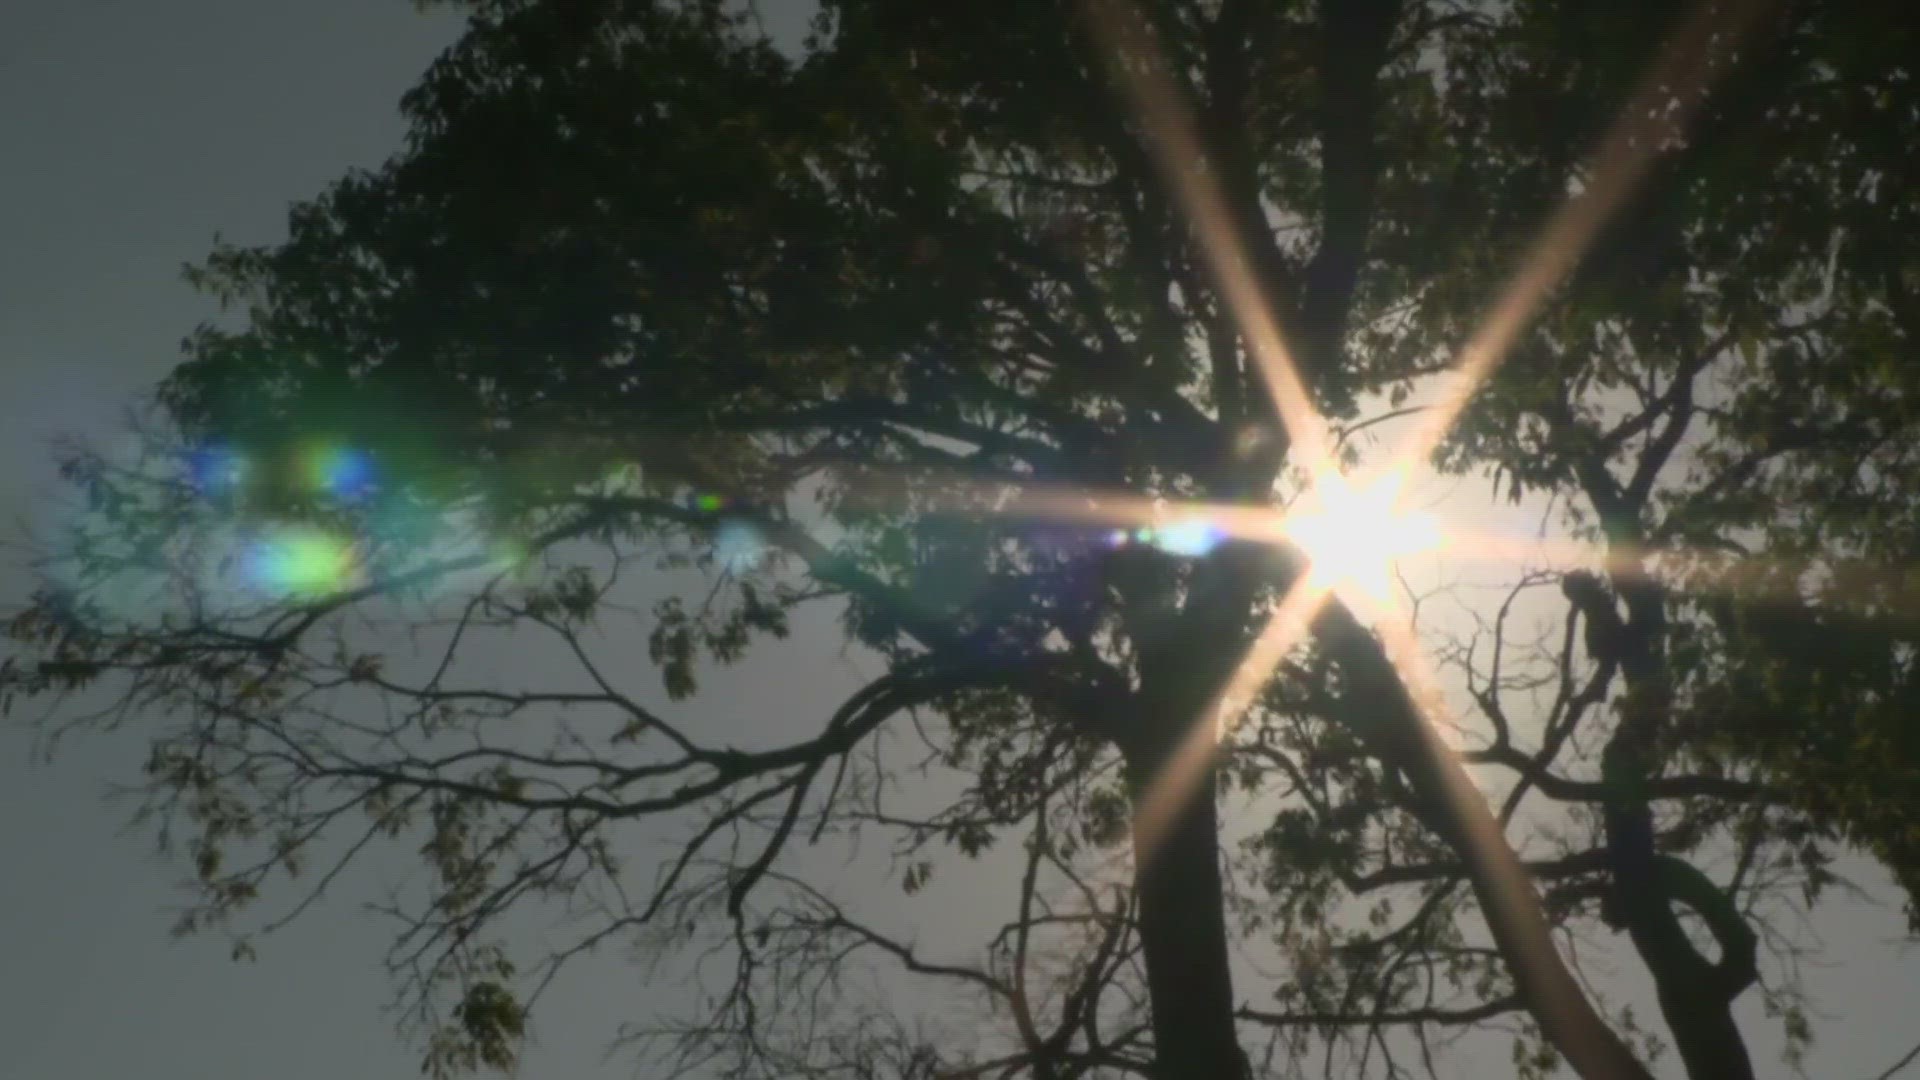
1354,533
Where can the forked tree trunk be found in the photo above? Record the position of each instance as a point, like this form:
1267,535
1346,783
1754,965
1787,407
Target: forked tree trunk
1696,994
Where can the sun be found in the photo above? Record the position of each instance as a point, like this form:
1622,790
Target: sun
1353,533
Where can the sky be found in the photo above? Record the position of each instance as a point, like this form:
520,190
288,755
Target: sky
132,132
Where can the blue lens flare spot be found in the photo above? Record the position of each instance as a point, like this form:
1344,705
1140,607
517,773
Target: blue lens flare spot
1189,538
737,546
339,471
216,470
300,562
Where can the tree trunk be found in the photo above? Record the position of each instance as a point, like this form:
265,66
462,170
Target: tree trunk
1397,732
1709,1040
1696,994
1183,934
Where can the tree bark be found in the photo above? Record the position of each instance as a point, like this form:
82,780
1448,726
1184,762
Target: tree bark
1396,731
1183,934
1696,994
1167,733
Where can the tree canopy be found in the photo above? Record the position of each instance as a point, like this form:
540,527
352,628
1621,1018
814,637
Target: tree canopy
1003,336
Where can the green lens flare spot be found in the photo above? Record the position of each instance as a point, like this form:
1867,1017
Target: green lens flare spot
301,562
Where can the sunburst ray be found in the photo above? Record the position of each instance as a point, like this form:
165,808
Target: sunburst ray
1134,56
1653,122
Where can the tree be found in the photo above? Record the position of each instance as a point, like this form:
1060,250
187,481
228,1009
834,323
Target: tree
902,328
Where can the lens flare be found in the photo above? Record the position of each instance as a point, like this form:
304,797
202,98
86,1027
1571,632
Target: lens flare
339,471
510,554
301,563
1354,534
738,546
216,470
1192,538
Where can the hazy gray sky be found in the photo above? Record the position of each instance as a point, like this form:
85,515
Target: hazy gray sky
131,131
